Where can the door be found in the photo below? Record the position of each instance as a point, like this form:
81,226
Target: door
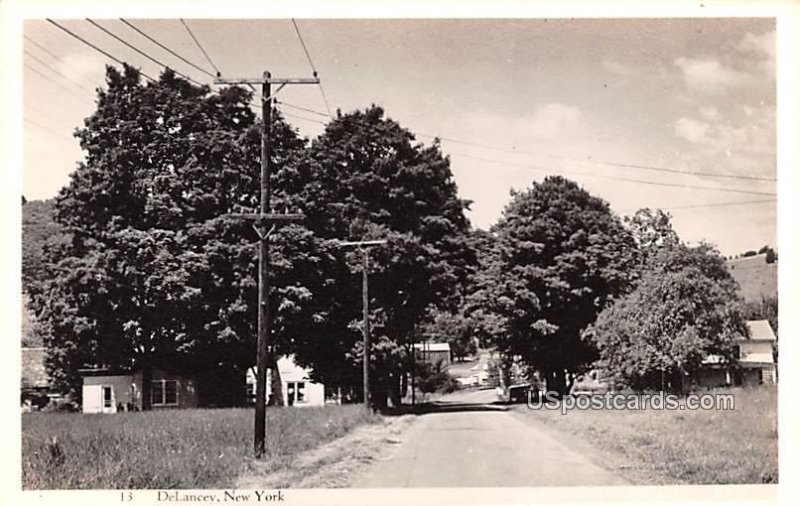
109,403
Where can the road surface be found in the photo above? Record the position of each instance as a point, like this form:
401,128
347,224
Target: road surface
470,443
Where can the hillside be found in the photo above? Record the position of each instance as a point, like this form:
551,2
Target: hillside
755,276
38,229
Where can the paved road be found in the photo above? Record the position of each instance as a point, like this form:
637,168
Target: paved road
470,446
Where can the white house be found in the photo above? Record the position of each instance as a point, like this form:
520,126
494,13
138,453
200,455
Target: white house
756,362
108,391
298,389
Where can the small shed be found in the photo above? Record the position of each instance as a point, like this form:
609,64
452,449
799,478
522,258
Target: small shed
111,391
433,353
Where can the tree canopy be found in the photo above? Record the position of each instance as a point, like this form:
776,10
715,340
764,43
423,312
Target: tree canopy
683,309
365,177
561,256
153,271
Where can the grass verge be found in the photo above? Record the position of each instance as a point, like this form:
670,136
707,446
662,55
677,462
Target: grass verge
200,448
681,447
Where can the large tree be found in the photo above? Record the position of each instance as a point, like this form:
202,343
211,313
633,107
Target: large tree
683,309
561,256
154,272
367,178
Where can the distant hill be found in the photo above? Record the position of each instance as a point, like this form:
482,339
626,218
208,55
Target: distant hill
755,276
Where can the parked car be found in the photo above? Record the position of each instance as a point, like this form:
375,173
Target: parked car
517,394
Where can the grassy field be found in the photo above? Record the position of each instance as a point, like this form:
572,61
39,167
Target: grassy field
755,276
169,449
680,447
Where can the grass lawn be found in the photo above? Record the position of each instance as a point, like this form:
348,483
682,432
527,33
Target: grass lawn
680,447
201,448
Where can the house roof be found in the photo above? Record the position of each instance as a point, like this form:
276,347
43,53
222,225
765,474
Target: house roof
34,374
760,330
432,346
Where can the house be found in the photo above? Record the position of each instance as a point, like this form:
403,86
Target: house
756,362
111,391
35,388
298,389
433,353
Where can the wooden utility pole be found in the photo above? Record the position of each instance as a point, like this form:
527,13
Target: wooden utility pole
262,220
363,246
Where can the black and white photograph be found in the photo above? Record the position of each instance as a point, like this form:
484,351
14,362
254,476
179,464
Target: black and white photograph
263,254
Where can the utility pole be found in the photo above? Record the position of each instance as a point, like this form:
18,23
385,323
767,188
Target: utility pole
262,220
363,246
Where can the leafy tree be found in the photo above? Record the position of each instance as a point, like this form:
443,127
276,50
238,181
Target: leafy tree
154,274
483,291
563,256
684,308
456,329
771,255
652,230
367,178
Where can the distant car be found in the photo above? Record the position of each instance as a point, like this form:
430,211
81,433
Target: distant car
517,394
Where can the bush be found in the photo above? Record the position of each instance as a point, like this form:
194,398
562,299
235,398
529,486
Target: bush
62,406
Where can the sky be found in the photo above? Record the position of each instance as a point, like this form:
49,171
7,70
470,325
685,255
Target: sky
661,100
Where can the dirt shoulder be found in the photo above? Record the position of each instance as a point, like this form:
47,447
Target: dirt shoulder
337,463
615,462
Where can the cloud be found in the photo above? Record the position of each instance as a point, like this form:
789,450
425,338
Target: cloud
83,67
762,48
759,43
710,113
709,75
552,120
545,123
617,68
750,132
692,130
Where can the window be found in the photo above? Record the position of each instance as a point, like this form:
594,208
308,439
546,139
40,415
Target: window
295,392
108,397
164,392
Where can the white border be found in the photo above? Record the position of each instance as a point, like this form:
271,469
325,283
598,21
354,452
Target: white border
14,11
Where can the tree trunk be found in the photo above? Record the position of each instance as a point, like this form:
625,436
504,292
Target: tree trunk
147,385
276,383
395,392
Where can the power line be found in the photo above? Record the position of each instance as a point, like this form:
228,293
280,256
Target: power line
600,162
200,46
52,55
617,178
305,109
34,109
50,80
313,68
574,159
48,130
716,204
96,48
57,72
197,42
131,46
165,48
551,170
